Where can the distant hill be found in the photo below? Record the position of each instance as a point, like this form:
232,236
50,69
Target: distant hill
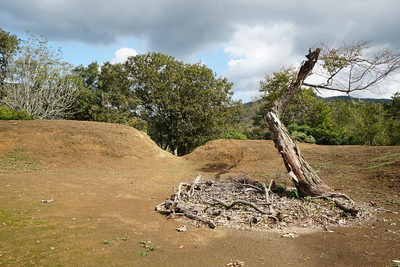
347,98
344,98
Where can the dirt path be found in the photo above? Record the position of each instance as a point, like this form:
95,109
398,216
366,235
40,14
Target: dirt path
102,182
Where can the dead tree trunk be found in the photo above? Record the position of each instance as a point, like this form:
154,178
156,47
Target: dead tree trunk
305,179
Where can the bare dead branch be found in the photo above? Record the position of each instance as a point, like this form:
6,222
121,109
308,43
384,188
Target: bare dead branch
236,202
355,67
304,71
346,208
197,218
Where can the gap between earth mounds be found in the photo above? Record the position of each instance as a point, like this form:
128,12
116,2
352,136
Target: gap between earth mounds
243,203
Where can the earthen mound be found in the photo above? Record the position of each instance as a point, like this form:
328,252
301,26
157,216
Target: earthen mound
79,144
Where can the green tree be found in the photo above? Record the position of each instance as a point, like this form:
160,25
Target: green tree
39,82
119,102
393,114
365,123
307,116
248,125
88,104
393,108
185,105
272,88
274,85
106,96
8,46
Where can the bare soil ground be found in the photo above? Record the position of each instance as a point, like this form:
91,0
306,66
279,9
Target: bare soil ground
83,194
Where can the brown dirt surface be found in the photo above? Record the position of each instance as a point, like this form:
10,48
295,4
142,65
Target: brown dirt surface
83,194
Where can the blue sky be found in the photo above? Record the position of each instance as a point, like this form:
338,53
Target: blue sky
240,40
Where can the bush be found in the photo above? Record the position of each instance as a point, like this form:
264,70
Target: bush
137,123
233,134
303,138
11,114
301,133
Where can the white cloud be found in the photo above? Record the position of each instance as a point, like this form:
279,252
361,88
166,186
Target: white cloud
122,54
394,87
256,51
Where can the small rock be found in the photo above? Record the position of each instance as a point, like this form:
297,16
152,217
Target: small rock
290,235
181,229
236,263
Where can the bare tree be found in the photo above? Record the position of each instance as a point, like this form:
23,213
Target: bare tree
38,82
346,69
355,67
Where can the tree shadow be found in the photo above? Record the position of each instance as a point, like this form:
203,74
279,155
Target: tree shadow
215,167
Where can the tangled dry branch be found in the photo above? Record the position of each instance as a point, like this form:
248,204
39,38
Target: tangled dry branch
244,203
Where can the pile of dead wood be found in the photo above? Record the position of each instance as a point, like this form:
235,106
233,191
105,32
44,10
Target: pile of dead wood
244,203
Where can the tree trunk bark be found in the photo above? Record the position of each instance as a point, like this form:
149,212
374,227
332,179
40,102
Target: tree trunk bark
303,176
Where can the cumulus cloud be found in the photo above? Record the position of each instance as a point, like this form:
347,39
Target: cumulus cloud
256,51
183,28
259,35
122,54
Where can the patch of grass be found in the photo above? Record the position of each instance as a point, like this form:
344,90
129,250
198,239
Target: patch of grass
19,161
39,222
110,242
30,241
323,165
294,194
149,246
125,238
9,218
382,161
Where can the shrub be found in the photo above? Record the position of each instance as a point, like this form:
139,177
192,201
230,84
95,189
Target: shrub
302,137
11,114
233,134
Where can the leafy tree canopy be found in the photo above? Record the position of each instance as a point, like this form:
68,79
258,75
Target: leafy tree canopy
107,96
8,46
184,104
179,105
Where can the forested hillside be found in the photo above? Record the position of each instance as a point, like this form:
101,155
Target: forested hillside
332,121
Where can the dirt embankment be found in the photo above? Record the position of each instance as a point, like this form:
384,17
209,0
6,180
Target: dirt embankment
104,181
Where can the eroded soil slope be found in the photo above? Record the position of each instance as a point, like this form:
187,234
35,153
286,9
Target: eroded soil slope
83,194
